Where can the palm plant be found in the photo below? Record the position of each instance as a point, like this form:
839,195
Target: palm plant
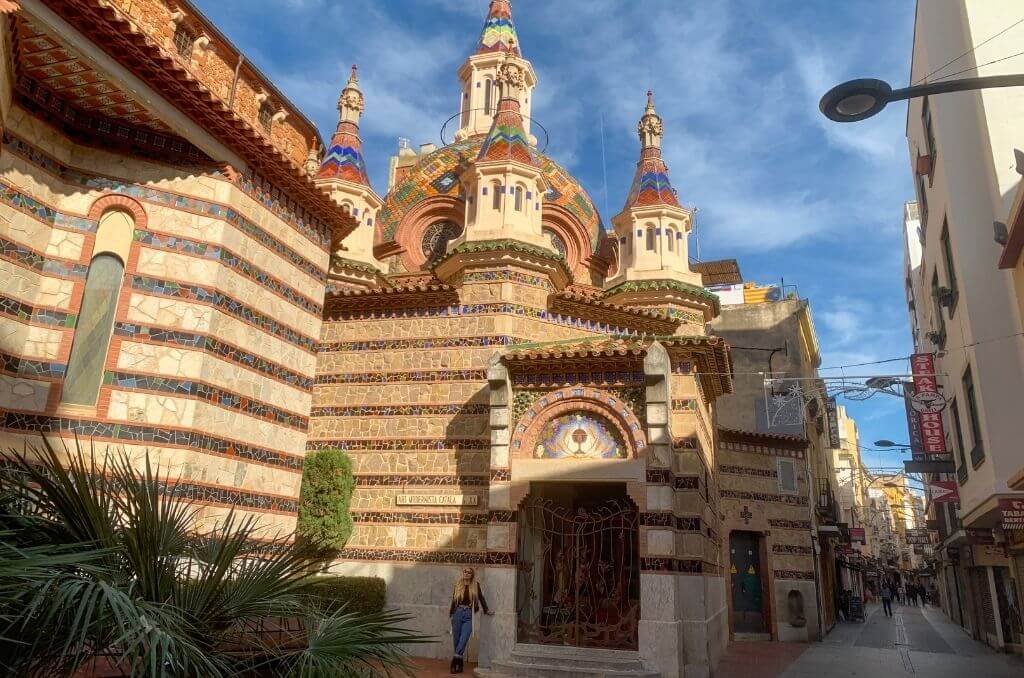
100,560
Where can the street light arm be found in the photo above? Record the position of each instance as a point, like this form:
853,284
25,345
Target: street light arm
961,85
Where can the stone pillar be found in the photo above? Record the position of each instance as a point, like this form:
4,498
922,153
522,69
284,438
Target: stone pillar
498,633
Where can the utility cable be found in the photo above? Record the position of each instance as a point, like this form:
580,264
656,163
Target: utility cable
980,44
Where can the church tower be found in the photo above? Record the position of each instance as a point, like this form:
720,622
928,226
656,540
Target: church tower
505,182
652,236
479,77
343,173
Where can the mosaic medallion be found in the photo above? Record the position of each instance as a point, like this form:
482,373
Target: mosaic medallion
436,238
578,436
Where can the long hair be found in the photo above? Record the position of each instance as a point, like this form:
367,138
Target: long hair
462,587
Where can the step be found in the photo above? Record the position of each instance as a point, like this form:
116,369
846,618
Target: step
562,670
583,659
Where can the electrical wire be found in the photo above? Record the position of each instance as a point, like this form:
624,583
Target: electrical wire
973,68
980,44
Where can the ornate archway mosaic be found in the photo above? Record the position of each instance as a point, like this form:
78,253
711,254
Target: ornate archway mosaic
578,435
578,422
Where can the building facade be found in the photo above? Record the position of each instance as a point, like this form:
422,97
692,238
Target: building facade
776,480
962,152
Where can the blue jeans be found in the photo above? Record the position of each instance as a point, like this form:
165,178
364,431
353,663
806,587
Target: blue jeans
462,629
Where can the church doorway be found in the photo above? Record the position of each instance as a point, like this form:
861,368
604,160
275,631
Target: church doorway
578,566
747,583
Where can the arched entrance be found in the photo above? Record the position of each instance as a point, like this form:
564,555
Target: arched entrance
578,566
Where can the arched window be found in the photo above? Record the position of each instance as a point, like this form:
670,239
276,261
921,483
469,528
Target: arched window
487,96
519,198
434,243
496,200
650,238
557,244
99,304
671,238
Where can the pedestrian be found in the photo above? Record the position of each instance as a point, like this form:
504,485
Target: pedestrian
467,600
887,598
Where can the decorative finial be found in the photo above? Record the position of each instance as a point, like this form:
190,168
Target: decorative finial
350,104
650,99
354,77
650,128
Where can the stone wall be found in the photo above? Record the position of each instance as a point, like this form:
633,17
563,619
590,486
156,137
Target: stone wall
212,360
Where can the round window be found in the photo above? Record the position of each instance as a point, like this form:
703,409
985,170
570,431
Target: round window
436,238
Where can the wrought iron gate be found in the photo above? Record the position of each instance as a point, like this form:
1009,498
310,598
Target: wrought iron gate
578,573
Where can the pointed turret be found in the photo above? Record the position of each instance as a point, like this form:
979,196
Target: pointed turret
481,91
651,233
507,139
343,173
499,33
344,157
650,183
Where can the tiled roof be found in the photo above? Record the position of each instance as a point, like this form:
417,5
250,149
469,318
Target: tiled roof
344,157
507,139
718,272
651,185
579,348
499,32
415,295
639,320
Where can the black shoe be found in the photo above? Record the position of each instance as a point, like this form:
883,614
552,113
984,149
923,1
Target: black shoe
458,665
454,665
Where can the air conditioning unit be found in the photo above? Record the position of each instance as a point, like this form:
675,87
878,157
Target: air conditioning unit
923,166
945,296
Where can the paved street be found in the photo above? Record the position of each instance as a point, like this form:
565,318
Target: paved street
914,642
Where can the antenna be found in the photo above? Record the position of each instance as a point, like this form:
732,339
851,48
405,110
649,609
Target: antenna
604,169
696,232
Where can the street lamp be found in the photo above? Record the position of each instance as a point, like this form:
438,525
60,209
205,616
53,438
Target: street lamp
859,99
889,443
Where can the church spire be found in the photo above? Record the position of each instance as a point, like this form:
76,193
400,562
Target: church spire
499,33
507,139
651,185
344,156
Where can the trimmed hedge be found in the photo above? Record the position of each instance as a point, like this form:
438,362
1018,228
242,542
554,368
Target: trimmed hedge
324,518
365,595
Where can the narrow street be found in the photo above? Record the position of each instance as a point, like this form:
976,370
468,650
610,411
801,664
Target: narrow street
913,642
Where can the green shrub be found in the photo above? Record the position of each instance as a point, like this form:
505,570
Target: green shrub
324,519
365,595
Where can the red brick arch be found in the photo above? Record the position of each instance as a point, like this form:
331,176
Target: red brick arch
595,401
119,202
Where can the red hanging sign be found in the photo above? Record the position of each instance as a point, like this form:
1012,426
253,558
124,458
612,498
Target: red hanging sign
1012,513
928,403
944,491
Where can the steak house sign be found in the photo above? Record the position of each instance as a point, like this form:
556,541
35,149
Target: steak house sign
926,388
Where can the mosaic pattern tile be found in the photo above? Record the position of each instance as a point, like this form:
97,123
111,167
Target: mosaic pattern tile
16,366
499,32
760,449
400,410
792,549
344,157
421,518
23,256
507,141
406,344
657,519
214,346
598,377
232,497
401,377
224,256
137,434
578,436
407,444
419,185
420,480
285,208
790,524
687,483
659,476
747,471
218,397
791,499
794,575
149,194
651,185
176,290
517,277
501,475
454,557
34,314
487,309
684,405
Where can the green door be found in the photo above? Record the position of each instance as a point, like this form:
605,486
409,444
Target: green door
745,574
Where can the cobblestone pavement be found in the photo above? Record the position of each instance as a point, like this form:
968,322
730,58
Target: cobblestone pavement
915,641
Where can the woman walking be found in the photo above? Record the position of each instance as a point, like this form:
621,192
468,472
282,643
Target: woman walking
467,600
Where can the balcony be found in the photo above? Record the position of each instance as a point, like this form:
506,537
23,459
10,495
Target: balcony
827,507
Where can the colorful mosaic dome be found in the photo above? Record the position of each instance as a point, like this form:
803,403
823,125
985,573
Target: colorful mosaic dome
499,33
507,139
438,174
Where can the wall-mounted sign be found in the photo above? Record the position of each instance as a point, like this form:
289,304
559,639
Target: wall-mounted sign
980,536
913,422
929,412
1013,513
944,491
437,500
833,423
857,535
916,537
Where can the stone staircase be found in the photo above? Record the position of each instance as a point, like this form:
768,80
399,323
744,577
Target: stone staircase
549,661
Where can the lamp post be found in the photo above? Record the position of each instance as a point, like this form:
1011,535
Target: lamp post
856,100
889,443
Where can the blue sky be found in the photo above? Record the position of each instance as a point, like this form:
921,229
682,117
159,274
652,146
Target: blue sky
777,186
